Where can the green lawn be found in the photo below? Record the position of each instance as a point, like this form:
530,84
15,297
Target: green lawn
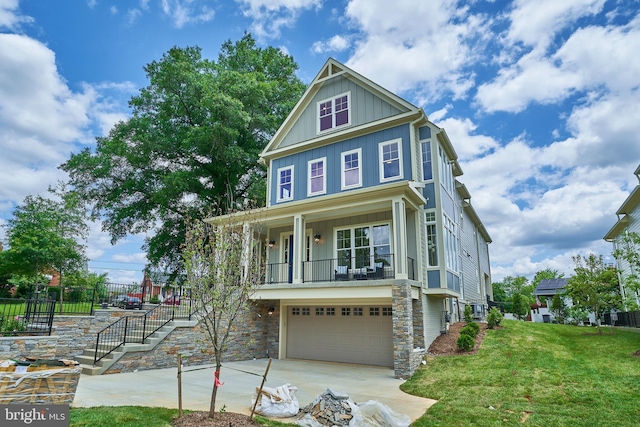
536,374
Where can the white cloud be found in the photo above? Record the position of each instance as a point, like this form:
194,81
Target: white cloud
535,22
336,43
270,16
184,12
9,18
430,56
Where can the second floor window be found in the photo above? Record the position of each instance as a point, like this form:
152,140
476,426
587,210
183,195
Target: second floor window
317,177
334,112
351,169
285,184
427,170
390,160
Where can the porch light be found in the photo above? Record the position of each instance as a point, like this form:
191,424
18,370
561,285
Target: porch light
272,243
317,238
271,310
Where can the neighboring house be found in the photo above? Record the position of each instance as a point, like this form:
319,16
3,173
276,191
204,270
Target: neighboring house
628,222
544,293
371,242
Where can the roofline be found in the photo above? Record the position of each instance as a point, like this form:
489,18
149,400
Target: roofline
476,220
617,229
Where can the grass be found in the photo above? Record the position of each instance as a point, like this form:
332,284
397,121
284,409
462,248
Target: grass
536,374
135,416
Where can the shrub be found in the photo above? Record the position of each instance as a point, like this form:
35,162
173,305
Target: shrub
475,326
494,318
468,314
469,330
154,300
465,342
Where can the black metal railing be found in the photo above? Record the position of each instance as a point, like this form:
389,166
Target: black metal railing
278,273
132,329
346,269
26,316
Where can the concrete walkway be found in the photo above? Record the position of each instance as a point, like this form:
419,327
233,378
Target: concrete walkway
159,388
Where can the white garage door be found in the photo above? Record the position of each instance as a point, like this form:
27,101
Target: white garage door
348,334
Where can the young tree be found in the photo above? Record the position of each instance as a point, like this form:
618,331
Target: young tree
628,250
594,286
192,142
559,308
223,263
521,305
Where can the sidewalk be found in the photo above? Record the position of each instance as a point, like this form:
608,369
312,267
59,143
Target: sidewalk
159,388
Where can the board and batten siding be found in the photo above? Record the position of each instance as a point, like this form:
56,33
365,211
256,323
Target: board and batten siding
370,162
365,108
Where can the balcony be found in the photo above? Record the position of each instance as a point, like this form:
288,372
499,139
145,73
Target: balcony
339,270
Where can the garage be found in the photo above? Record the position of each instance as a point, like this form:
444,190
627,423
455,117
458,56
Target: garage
347,334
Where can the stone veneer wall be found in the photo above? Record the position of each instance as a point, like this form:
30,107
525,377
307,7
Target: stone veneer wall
255,334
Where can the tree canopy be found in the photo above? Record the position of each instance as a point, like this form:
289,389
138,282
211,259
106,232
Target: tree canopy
45,235
628,250
191,144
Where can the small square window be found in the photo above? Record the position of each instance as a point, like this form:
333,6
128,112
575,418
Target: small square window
346,311
357,311
331,311
295,311
387,311
306,311
374,311
319,311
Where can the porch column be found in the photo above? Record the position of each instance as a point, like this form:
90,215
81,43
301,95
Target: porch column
298,247
400,238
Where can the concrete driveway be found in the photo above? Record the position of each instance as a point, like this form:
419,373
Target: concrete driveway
160,387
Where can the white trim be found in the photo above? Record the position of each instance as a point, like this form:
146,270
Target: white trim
342,170
278,195
310,193
381,146
352,227
332,99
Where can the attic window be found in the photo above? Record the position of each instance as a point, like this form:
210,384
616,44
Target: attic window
334,112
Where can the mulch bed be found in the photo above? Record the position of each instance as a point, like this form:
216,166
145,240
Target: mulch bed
446,344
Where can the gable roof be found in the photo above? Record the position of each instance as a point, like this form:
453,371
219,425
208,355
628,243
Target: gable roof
332,69
551,286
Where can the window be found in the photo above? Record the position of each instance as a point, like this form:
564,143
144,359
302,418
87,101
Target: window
427,169
319,311
374,311
351,169
357,311
334,112
285,184
390,160
364,247
451,244
306,311
317,177
432,242
331,311
446,175
295,311
387,311
346,311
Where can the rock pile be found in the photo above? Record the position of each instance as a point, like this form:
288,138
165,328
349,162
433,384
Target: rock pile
331,408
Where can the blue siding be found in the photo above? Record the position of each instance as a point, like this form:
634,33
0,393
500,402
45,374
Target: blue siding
425,132
433,278
429,193
369,163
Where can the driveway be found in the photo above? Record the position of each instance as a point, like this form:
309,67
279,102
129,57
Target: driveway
160,387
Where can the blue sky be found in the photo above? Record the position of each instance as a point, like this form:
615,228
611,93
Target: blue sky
539,97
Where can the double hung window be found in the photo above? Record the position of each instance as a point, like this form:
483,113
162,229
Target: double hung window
285,184
317,176
390,160
351,169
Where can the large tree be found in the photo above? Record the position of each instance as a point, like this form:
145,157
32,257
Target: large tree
594,286
46,236
192,142
628,250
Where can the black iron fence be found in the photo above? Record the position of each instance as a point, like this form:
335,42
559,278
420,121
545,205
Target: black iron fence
26,316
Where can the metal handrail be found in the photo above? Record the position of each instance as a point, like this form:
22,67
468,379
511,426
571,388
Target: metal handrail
132,329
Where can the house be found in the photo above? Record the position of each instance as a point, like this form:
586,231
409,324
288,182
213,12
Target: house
372,244
628,222
544,293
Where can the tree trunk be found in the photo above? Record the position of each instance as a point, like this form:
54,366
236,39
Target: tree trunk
216,378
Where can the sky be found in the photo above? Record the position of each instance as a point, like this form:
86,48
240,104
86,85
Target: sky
540,98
